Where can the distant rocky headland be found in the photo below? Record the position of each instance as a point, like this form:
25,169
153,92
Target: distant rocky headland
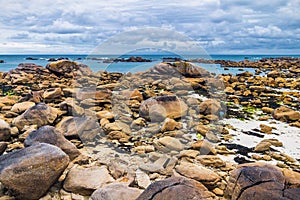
175,131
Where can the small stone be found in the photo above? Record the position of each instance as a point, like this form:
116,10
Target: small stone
189,153
211,160
264,118
169,143
104,114
142,179
265,129
267,110
118,135
170,125
262,146
52,94
205,147
202,129
218,191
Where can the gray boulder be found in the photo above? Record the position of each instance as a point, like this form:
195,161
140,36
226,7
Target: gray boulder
31,171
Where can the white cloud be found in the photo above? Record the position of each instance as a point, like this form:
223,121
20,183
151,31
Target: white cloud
216,24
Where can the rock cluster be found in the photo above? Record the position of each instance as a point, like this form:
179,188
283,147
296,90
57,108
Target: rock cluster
69,133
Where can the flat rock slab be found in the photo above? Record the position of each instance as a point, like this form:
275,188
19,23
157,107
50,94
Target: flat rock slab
31,171
85,181
199,173
176,188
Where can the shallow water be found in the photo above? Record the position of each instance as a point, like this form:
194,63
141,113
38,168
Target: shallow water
12,61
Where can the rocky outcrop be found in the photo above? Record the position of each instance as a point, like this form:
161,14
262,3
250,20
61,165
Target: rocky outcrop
176,188
68,68
30,172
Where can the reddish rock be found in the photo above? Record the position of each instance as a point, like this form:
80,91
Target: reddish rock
176,188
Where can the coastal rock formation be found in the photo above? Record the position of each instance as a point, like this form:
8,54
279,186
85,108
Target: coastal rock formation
176,188
30,172
123,132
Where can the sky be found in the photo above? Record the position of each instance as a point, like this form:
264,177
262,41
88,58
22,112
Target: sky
218,26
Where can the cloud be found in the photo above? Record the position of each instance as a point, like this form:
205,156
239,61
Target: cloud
219,25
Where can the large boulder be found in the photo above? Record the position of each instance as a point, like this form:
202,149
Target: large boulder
31,171
68,68
85,181
40,115
116,191
48,134
162,107
286,114
176,188
5,130
257,181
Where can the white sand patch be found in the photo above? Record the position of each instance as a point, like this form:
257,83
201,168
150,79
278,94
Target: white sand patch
289,136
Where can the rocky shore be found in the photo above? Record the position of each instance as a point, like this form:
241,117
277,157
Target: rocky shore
175,131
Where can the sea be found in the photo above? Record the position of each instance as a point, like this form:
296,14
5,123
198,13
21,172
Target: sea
95,62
